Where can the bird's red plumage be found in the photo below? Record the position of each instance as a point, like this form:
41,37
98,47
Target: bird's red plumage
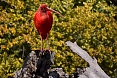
43,22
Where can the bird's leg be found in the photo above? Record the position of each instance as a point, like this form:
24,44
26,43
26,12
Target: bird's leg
48,42
41,44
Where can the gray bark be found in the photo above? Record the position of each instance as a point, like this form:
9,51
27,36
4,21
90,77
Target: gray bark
94,70
38,63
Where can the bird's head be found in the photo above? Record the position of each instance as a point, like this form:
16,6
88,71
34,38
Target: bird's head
44,8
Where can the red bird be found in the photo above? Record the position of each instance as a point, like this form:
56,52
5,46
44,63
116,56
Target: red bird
43,22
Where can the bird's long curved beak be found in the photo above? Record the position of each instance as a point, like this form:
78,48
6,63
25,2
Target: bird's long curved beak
54,11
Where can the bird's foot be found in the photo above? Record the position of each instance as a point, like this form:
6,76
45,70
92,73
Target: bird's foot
42,49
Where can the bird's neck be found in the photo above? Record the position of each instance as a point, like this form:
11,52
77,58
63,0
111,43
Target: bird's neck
43,13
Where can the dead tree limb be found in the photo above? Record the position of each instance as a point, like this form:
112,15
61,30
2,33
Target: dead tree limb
94,70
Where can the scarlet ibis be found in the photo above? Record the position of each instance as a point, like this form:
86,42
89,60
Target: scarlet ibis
43,21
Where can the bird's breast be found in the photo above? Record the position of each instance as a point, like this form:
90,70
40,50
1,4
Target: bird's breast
45,23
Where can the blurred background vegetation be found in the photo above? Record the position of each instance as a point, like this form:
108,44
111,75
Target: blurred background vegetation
91,23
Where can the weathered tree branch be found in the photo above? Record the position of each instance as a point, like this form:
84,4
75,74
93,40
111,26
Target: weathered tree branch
94,70
37,65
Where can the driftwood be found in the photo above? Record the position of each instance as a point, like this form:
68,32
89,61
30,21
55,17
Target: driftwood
38,63
94,70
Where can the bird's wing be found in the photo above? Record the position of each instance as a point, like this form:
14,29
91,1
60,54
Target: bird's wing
36,20
50,19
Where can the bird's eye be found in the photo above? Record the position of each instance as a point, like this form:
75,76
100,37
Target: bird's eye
43,9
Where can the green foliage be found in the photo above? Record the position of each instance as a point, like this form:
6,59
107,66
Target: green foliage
91,23
9,64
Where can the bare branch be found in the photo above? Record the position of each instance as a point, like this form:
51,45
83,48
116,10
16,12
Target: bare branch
94,71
